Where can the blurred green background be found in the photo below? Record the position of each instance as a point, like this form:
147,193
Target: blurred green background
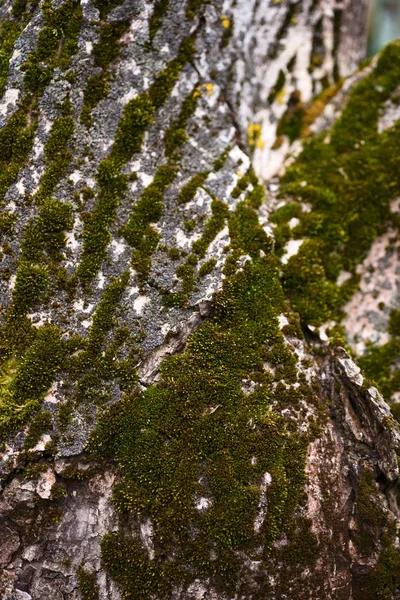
384,24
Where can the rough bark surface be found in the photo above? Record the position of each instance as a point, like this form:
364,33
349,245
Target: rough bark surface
178,416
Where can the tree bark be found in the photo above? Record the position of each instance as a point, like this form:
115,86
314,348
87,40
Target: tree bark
178,416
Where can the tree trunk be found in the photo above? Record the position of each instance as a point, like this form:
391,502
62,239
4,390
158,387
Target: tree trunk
178,416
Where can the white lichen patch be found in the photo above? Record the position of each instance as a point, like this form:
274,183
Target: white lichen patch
40,446
45,483
262,505
367,313
9,100
282,320
202,504
81,306
139,304
352,370
146,534
291,249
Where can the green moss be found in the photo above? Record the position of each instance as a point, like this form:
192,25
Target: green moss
97,88
138,231
31,282
159,11
96,364
394,322
191,436
163,84
279,84
57,43
384,581
176,136
291,121
106,6
65,414
57,156
33,377
247,235
38,426
107,48
16,140
194,8
188,191
54,218
7,222
207,267
349,183
292,9
58,491
10,29
379,364
87,583
215,224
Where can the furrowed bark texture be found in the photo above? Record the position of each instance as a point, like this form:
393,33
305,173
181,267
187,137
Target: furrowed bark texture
178,416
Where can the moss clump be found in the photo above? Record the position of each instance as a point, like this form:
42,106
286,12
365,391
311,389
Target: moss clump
31,380
176,136
246,233
16,139
191,436
207,267
31,282
384,582
194,7
48,232
58,491
159,11
394,323
215,224
96,364
370,516
87,583
7,222
138,231
39,425
163,84
57,156
65,414
97,88
278,87
188,191
107,48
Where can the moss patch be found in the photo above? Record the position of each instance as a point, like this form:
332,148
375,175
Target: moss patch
349,183
194,435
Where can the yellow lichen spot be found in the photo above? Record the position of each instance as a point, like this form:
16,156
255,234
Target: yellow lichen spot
197,93
277,1
260,144
253,134
293,20
280,97
225,21
209,88
239,174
